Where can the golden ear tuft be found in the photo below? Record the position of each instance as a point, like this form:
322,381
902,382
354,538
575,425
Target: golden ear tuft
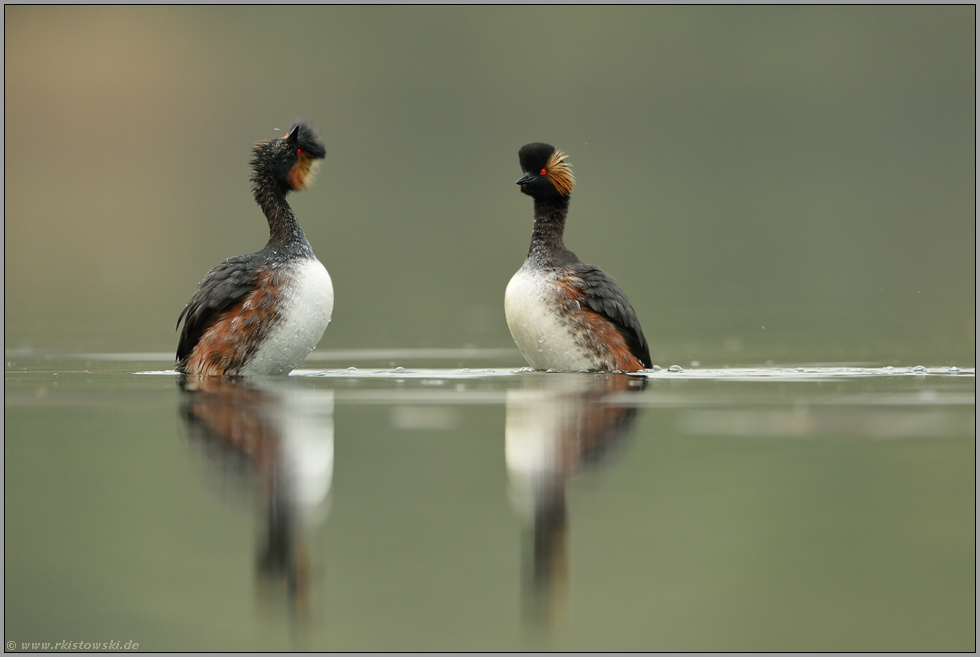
560,173
303,173
311,172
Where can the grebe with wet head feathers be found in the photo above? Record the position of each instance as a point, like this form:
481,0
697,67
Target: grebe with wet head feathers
563,313
263,313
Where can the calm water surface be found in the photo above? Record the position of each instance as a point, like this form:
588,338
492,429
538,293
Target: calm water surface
459,503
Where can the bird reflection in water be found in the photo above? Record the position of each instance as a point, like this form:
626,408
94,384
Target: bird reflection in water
557,426
278,439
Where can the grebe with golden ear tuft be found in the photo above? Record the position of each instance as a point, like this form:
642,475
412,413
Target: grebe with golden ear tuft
263,313
563,313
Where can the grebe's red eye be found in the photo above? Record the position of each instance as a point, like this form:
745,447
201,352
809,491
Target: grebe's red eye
544,172
299,151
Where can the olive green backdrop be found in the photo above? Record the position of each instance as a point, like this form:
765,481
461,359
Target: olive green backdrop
767,183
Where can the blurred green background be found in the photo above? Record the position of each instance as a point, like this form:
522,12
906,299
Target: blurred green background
807,170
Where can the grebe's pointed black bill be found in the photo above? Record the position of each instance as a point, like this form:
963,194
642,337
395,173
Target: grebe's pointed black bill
525,179
293,134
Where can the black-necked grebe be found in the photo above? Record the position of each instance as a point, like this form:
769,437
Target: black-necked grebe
263,313
563,313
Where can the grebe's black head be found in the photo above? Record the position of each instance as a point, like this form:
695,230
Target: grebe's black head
292,160
546,173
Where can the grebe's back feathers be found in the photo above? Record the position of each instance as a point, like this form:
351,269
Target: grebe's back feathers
601,294
225,285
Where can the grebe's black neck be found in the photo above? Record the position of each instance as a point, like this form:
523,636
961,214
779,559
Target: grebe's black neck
547,243
286,238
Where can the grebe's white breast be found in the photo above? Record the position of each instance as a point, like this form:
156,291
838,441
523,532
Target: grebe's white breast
541,324
305,307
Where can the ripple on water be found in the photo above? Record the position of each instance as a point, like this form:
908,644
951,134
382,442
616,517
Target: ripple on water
674,372
41,361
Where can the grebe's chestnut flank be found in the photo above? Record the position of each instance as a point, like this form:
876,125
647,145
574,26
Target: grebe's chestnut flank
563,313
262,313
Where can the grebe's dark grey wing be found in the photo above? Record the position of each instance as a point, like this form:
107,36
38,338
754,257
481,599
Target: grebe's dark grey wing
601,294
223,286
